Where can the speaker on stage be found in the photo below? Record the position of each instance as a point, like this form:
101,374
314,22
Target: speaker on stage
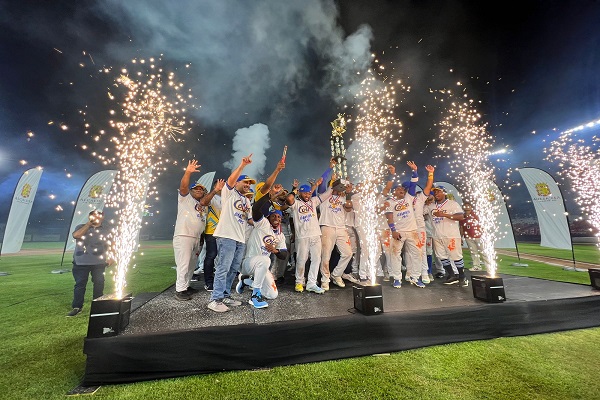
595,277
109,315
368,299
488,289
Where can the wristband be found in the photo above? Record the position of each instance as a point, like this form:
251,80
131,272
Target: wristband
392,227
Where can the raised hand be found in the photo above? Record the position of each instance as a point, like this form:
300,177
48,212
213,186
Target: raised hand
247,160
219,185
412,165
193,166
430,168
391,169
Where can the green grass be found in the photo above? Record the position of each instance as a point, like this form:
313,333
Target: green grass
42,351
583,252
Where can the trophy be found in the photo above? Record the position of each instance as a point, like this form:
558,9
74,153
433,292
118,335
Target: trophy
338,150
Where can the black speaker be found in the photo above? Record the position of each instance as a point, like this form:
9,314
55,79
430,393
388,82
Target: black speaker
109,315
488,289
594,277
368,299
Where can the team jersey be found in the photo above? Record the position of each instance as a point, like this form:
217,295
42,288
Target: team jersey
305,219
471,226
191,216
332,210
402,213
418,204
235,212
212,215
261,234
444,227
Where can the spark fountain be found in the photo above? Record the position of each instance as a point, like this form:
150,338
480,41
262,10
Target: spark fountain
153,111
375,124
466,143
577,153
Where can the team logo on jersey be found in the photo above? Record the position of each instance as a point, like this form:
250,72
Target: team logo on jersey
401,206
542,189
26,190
270,239
304,209
241,206
335,202
95,191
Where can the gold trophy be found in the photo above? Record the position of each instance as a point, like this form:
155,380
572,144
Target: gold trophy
338,151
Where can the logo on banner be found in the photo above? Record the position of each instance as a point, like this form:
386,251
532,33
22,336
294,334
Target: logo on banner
26,190
96,191
542,189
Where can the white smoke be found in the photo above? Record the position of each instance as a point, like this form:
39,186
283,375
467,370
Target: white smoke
252,140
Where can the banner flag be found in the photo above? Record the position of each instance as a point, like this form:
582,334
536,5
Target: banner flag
18,216
549,207
207,180
505,235
91,197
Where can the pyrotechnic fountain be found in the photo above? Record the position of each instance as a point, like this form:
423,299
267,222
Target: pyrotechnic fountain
466,143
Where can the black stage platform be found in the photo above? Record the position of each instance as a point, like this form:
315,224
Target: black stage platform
169,338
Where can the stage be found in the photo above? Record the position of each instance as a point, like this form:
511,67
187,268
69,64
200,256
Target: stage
168,338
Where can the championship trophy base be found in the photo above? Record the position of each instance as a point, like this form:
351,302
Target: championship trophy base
109,315
594,277
368,299
488,289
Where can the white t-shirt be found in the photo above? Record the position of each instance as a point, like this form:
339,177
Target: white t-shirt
263,233
332,210
403,213
305,219
444,227
235,212
191,216
418,204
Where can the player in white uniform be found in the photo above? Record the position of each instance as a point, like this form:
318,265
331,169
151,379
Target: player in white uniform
192,206
266,239
403,225
308,236
447,243
333,232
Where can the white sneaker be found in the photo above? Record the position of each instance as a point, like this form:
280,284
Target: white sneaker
325,286
228,301
315,289
350,278
337,280
217,306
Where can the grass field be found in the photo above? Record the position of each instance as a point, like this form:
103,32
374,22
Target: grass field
42,351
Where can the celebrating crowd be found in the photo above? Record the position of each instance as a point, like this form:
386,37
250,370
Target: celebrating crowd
252,236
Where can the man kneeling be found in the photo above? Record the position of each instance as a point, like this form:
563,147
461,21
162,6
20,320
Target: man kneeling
266,238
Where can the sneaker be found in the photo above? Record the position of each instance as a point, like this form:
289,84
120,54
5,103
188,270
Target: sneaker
228,301
425,280
431,278
325,286
337,280
475,268
417,282
386,276
349,277
464,282
183,296
217,306
208,288
452,279
190,290
299,288
239,288
440,275
195,278
315,289
74,312
258,301
397,283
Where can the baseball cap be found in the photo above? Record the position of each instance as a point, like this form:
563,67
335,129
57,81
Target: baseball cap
193,185
250,192
246,178
304,189
274,211
443,189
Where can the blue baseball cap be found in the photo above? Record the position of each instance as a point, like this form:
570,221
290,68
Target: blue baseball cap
274,211
443,189
193,185
246,178
304,189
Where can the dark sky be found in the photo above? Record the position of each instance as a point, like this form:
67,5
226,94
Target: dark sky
532,65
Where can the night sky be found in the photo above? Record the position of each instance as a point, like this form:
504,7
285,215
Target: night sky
288,65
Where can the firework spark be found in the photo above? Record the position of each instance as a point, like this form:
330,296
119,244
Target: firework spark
376,126
153,110
466,143
578,156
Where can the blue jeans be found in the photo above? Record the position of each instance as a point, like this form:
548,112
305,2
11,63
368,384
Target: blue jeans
230,255
81,274
209,260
